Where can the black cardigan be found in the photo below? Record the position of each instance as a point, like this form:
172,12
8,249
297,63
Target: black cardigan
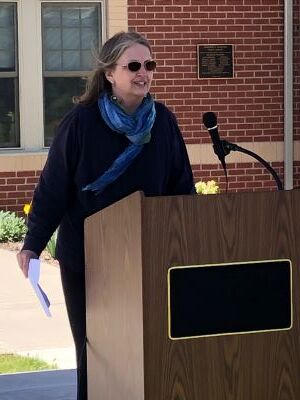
83,148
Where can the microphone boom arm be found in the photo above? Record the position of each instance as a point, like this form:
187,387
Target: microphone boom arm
228,147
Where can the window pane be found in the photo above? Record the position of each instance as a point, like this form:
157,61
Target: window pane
71,16
89,16
58,101
9,124
52,39
7,15
71,60
7,37
51,17
86,59
66,28
71,39
54,61
88,38
71,32
9,106
7,62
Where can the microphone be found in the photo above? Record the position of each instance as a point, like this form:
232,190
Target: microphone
210,122
222,148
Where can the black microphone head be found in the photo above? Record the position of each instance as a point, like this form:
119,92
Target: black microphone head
209,120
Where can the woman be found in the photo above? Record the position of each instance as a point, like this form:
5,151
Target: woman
115,141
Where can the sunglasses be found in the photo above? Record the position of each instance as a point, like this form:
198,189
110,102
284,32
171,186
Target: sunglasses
135,66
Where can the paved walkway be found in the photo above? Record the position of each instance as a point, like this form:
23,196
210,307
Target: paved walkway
25,329
50,385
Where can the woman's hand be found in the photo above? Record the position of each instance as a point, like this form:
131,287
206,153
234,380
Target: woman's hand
23,258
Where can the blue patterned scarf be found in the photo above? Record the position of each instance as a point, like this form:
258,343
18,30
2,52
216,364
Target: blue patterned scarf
136,127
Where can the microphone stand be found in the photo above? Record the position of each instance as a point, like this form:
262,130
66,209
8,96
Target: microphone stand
228,147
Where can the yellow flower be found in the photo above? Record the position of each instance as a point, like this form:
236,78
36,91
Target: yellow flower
27,208
200,187
207,188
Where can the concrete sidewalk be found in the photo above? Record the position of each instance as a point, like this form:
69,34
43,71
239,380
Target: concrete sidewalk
24,327
47,385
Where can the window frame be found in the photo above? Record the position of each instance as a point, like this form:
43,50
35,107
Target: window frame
73,73
30,73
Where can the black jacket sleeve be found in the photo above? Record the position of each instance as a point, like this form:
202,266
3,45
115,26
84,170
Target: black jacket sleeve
181,179
54,190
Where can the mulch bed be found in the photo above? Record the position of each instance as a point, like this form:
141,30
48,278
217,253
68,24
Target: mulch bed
16,246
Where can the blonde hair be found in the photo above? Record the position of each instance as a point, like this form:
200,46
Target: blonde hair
110,52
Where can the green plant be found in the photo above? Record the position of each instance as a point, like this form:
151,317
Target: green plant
10,363
52,244
12,227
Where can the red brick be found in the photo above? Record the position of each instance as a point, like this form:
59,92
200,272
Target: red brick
23,200
7,202
17,209
7,174
237,185
15,195
25,173
32,180
26,187
8,188
15,180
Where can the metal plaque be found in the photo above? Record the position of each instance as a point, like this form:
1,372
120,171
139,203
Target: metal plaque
215,61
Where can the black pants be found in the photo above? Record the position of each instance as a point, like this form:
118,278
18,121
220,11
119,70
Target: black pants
74,291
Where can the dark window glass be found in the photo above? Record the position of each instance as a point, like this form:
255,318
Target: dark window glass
58,101
9,127
9,109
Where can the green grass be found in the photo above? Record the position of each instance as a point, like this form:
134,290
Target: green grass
10,363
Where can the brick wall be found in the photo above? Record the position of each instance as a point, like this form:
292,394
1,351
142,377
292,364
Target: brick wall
242,177
249,106
16,189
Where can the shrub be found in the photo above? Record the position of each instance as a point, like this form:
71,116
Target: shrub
12,227
11,363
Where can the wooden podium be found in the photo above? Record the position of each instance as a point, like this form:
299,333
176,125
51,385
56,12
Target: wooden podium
130,247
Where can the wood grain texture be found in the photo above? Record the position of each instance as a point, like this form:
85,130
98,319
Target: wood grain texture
190,230
114,303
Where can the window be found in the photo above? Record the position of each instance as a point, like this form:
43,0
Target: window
71,31
9,110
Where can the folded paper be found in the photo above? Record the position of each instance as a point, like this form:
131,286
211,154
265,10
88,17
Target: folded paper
34,276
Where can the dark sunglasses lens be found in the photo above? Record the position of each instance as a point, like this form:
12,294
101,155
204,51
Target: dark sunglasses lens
134,66
150,65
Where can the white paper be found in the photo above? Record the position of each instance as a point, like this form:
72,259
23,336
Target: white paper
34,276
